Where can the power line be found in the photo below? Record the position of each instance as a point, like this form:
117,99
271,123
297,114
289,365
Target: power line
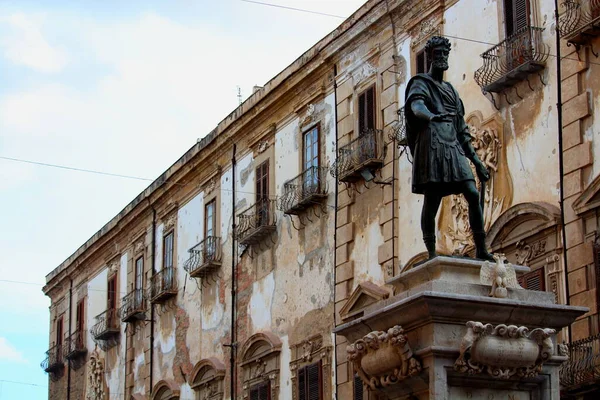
294,9
22,383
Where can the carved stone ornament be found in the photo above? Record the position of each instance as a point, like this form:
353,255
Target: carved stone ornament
139,246
427,29
210,186
504,351
113,267
363,72
526,252
95,389
382,358
263,145
309,115
500,275
169,222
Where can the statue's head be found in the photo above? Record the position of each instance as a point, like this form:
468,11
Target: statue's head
438,50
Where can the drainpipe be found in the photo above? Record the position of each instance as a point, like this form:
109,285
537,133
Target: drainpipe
232,345
335,218
560,156
70,317
153,264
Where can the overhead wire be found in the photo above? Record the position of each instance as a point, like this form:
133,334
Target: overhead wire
293,8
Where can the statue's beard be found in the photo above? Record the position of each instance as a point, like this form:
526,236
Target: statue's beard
440,64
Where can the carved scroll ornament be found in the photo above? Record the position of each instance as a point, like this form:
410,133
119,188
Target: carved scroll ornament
504,351
382,358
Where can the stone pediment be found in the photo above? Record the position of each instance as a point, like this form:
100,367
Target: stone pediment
365,294
589,199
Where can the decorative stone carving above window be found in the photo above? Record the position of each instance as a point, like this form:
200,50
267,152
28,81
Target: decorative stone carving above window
362,73
427,29
207,379
309,352
169,222
365,294
260,363
165,390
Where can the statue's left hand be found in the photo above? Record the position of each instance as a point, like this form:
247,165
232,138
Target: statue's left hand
482,172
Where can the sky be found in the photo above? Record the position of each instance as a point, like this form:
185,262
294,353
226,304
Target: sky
123,87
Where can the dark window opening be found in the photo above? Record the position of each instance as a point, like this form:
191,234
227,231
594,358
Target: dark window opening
111,302
366,110
168,251
309,382
422,62
516,15
59,332
358,388
262,391
533,280
80,316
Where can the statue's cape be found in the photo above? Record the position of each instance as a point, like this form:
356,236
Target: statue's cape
424,87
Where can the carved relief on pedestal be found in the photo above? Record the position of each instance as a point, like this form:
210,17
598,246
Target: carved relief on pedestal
95,385
382,358
504,351
454,219
500,276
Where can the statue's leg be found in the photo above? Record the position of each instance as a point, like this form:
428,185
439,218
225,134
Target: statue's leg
431,203
476,220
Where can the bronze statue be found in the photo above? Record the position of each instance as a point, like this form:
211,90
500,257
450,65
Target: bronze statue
439,140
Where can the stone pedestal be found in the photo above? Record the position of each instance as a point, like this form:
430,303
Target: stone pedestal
441,336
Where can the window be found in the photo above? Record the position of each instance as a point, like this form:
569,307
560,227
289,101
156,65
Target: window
59,333
168,251
111,300
366,110
422,62
262,194
262,391
80,317
516,15
311,160
309,382
209,219
139,273
533,280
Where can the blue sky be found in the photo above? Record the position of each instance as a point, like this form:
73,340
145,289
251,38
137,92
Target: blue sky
123,87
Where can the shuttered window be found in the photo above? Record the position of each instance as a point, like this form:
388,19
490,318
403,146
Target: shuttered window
262,391
309,382
358,388
111,302
516,15
80,316
59,332
534,280
262,181
366,110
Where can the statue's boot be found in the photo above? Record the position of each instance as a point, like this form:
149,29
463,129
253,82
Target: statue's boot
430,244
481,250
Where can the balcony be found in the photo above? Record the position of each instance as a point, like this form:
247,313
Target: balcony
107,325
360,158
205,257
512,60
163,285
54,359
133,306
580,21
305,190
256,222
582,370
75,346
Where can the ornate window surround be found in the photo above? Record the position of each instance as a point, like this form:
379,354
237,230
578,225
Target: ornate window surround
260,363
165,390
207,379
308,352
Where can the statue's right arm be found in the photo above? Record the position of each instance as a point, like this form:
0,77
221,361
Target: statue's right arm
421,111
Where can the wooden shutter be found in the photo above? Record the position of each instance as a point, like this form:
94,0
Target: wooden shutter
80,315
112,293
516,14
262,181
366,110
262,391
59,331
534,280
358,388
310,382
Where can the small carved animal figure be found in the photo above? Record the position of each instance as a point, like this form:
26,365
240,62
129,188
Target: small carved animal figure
500,275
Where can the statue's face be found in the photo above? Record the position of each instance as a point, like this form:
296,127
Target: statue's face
439,57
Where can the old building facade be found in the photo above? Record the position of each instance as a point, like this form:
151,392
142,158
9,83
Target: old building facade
227,277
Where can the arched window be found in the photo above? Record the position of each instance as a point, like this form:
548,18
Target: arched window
260,367
207,379
165,390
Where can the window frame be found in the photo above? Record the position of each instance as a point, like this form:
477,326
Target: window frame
138,279
511,25
262,193
60,331
111,295
537,273
371,87
257,387
80,316
212,203
166,253
304,371
426,63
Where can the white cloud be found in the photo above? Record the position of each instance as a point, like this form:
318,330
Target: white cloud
9,353
26,45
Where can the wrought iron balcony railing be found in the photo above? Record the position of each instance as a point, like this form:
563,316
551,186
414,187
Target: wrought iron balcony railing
54,359
205,257
365,153
106,326
133,306
583,366
256,222
580,20
75,345
163,285
306,189
512,60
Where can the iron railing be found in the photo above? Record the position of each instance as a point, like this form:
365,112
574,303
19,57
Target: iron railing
257,221
205,257
579,20
366,152
133,306
583,366
304,190
163,285
75,345
106,326
512,60
54,359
